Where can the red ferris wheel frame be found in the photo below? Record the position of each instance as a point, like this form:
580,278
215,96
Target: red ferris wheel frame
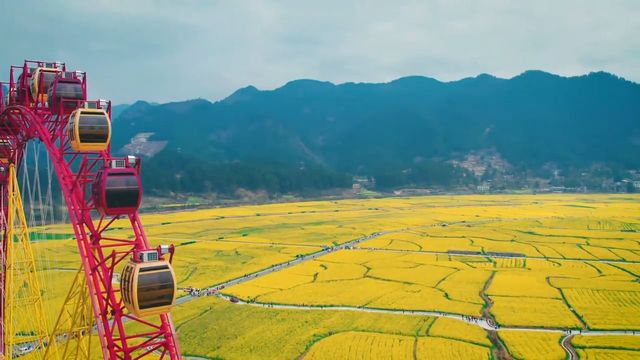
22,119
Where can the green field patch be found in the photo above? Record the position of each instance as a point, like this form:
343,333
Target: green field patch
40,236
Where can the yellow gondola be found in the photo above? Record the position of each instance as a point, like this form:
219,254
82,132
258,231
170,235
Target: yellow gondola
40,92
148,288
89,130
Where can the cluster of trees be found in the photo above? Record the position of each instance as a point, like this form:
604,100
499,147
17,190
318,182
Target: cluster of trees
427,173
175,172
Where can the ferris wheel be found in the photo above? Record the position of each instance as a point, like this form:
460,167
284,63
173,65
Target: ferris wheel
124,288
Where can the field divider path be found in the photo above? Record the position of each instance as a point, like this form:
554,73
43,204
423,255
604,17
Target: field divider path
497,256
307,212
327,250
568,348
500,350
480,322
291,263
278,213
245,242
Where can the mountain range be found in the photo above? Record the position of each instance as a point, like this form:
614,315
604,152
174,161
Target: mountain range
413,131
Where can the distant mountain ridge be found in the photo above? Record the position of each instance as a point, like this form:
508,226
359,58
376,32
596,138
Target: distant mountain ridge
533,120
116,110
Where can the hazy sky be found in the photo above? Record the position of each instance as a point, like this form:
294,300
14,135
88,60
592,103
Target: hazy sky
173,50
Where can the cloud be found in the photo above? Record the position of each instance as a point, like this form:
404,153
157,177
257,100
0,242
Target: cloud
167,50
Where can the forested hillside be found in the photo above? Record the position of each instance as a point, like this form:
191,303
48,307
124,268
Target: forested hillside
415,130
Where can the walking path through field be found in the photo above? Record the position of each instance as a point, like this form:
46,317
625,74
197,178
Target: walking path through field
482,322
352,245
304,212
290,263
498,256
568,348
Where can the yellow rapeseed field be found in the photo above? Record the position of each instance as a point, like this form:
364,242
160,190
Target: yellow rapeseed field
209,327
522,283
385,280
557,261
456,329
362,345
533,345
439,348
606,309
535,312
625,342
607,354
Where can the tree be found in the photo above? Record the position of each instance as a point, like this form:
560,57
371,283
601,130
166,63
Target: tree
630,187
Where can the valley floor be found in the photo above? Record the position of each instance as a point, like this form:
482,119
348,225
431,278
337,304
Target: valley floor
522,276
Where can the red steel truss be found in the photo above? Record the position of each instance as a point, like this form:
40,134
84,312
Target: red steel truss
25,118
